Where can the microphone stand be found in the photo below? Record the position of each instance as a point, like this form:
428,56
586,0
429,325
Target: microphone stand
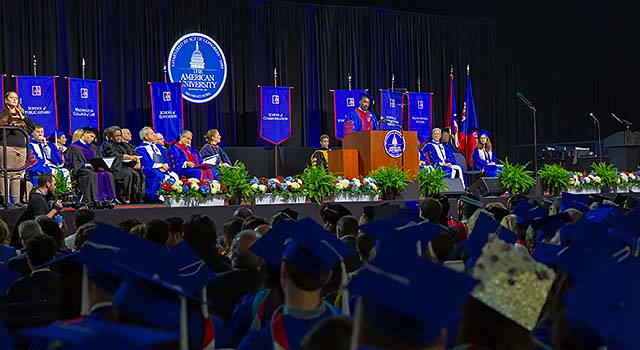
596,124
626,123
535,129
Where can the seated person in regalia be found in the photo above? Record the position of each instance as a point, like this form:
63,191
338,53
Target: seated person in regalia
44,157
127,168
212,153
95,184
154,164
484,159
435,153
187,162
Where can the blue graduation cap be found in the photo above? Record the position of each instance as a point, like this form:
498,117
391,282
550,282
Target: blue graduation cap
367,95
98,335
409,237
547,226
483,132
547,253
575,201
606,215
184,267
526,212
7,277
608,300
414,206
399,297
626,230
271,246
485,225
390,223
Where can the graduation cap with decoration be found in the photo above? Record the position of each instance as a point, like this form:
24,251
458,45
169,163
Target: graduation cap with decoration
98,335
504,274
398,296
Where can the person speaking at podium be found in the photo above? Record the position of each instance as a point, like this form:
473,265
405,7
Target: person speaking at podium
361,118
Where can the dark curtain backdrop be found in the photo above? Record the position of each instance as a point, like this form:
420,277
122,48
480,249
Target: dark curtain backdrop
567,72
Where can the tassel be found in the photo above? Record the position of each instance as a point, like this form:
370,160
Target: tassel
184,331
84,293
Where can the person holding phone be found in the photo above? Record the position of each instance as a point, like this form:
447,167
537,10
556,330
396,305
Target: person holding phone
40,196
13,115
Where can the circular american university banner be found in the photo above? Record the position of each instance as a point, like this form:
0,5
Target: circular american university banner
198,62
394,143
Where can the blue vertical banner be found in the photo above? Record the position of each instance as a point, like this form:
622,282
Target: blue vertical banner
344,101
275,113
391,109
84,103
38,98
167,109
419,112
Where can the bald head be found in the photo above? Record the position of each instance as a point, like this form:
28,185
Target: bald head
242,256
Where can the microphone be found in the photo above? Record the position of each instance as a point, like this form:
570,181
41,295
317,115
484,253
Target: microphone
622,121
616,118
526,101
594,118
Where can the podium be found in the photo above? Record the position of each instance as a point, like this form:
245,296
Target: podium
624,150
371,154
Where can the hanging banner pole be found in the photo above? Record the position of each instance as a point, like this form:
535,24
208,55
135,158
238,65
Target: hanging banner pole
419,90
164,72
35,66
84,67
349,80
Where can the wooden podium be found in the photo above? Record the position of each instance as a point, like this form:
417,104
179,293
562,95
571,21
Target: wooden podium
368,148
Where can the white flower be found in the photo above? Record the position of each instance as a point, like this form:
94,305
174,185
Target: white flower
632,176
374,186
194,180
295,185
587,179
597,179
357,182
288,183
254,186
194,186
262,188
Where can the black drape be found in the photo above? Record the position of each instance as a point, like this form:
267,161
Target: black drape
567,72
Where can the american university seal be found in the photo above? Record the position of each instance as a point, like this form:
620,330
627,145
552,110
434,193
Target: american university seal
198,62
394,143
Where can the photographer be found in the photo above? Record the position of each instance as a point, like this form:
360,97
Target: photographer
38,200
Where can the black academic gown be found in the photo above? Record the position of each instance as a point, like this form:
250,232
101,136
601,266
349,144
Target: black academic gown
88,179
130,180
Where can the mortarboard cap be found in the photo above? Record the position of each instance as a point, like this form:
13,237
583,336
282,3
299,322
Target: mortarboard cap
90,130
408,237
313,249
547,226
97,334
416,311
605,215
625,229
333,212
390,223
469,199
575,201
182,266
484,226
290,213
483,132
526,212
367,95
57,134
607,300
271,246
505,275
447,130
414,206
368,212
547,253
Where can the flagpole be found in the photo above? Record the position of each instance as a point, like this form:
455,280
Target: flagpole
275,84
84,66
35,66
164,72
419,87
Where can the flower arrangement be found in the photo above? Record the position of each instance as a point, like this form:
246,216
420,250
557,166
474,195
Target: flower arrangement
586,180
192,188
287,187
356,185
628,179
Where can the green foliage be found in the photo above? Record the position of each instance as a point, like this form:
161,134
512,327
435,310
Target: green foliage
236,179
515,178
390,180
62,186
318,183
431,181
555,177
607,173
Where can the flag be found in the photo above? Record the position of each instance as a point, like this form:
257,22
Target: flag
468,125
419,114
391,109
452,116
38,98
84,103
167,109
275,113
344,101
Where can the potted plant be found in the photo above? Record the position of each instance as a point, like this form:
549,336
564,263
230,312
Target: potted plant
555,177
175,192
609,175
515,178
585,183
431,181
236,180
318,183
277,190
391,181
